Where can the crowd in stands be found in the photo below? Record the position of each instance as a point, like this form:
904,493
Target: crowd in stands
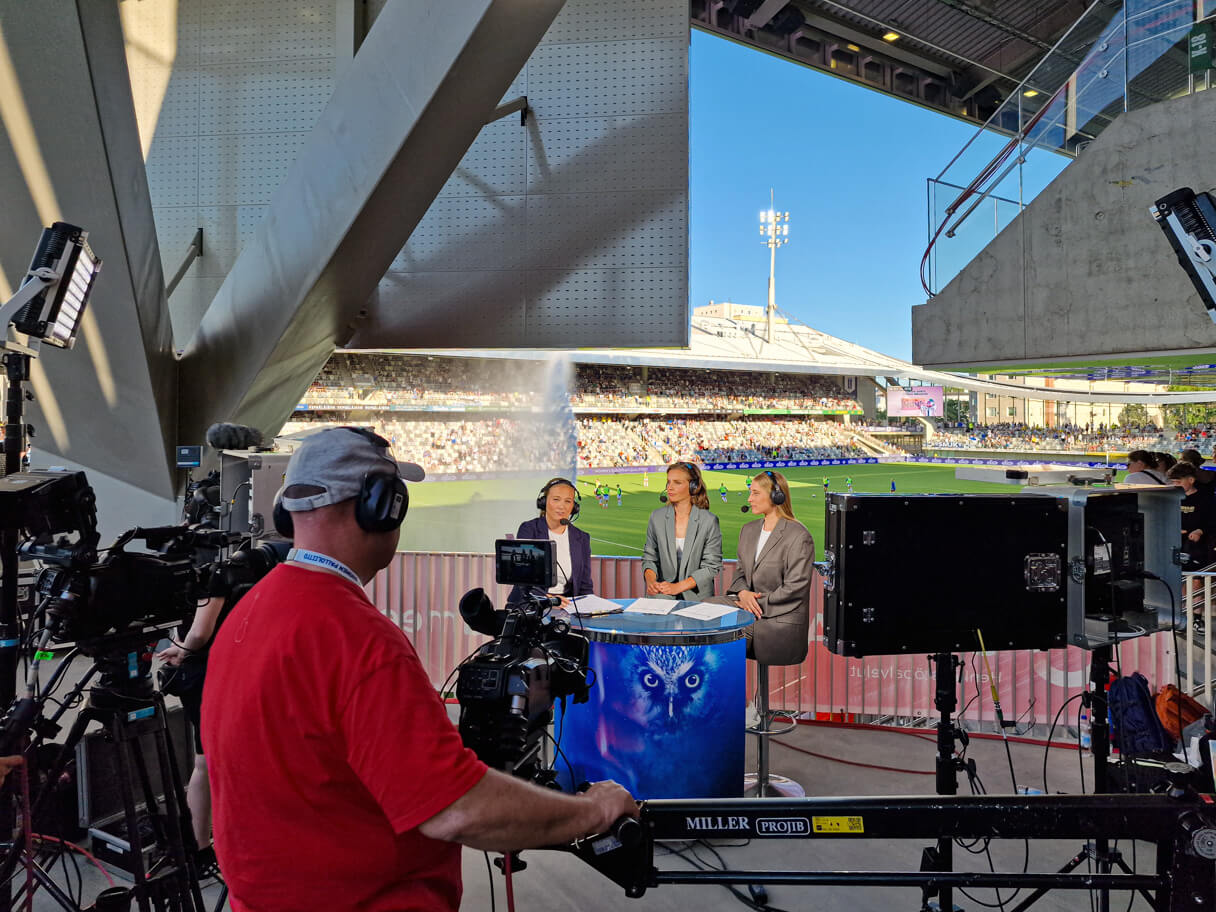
387,381
614,386
499,444
604,441
1067,438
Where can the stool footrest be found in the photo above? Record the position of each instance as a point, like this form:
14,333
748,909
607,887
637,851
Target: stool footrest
778,787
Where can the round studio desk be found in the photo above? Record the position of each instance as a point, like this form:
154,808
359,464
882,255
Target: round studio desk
665,717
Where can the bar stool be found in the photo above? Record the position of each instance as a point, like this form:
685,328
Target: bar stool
763,783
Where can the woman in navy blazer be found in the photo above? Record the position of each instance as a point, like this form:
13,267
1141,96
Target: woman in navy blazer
558,503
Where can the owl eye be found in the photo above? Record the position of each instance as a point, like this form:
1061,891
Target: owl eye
650,680
693,681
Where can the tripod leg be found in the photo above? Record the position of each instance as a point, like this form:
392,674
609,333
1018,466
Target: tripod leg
181,843
145,783
219,903
1041,892
123,748
43,878
65,754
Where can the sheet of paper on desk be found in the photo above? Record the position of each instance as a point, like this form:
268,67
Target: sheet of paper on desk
593,604
650,606
703,612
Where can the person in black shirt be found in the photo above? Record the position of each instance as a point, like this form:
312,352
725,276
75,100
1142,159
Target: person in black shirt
1205,479
1198,523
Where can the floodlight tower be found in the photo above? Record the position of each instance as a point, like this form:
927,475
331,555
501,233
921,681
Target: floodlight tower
774,232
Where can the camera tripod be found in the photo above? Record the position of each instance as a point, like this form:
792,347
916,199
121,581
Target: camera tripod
131,714
940,857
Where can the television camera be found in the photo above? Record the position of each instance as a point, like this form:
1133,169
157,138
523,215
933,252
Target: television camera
112,603
507,688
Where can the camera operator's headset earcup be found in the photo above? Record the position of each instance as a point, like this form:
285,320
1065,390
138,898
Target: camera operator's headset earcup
776,495
282,517
543,496
382,503
380,506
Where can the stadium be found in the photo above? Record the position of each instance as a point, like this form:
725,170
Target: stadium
401,417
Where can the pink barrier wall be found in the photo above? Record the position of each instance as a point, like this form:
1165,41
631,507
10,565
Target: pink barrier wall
421,592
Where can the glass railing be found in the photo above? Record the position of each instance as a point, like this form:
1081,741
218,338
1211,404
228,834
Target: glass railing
1115,58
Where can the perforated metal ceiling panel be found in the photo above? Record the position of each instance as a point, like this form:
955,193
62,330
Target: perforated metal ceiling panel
226,92
573,229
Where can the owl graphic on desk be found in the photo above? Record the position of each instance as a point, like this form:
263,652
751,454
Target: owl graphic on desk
655,702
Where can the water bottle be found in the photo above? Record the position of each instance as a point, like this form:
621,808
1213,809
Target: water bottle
1086,738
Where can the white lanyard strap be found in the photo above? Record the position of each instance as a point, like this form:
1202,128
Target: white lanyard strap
302,556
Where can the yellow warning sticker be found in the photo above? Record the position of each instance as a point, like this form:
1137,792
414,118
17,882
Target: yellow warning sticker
837,825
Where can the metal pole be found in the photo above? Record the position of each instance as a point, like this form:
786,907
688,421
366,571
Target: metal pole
17,369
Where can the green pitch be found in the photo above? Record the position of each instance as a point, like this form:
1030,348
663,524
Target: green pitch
469,515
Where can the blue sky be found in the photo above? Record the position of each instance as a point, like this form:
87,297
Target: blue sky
848,163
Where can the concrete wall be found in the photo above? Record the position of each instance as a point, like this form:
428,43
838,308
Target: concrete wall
226,92
575,223
1085,270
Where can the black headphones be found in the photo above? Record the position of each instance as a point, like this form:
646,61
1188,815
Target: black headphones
693,485
543,496
380,505
776,495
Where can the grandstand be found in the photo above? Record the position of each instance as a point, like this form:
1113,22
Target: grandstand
732,395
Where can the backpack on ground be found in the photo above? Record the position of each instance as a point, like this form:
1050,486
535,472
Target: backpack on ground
1136,728
1174,706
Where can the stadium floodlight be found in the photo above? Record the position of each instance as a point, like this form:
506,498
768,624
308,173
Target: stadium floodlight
51,301
774,232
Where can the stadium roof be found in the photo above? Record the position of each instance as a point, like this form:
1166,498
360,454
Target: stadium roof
719,343
722,343
961,57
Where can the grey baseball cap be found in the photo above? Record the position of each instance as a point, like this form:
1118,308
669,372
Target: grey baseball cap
337,460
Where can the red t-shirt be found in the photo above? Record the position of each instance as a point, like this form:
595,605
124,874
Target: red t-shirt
327,746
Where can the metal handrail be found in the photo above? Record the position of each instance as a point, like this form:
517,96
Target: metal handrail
1018,139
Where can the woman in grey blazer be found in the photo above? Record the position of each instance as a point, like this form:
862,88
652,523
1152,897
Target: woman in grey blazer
773,577
683,551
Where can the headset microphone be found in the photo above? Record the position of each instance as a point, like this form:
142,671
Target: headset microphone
745,509
566,522
663,498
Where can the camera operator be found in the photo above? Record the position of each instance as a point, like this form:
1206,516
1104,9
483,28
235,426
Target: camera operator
339,783
189,661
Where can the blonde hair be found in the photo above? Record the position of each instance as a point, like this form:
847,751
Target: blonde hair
786,507
699,498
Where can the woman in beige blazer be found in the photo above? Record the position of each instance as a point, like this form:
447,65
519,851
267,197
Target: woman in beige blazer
773,577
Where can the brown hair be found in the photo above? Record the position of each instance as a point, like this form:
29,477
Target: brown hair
1183,470
1193,456
1143,456
700,498
786,507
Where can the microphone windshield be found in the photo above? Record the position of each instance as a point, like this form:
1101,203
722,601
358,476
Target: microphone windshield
745,509
565,522
663,498
225,436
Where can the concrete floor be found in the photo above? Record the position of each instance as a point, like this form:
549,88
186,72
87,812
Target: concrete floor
557,881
